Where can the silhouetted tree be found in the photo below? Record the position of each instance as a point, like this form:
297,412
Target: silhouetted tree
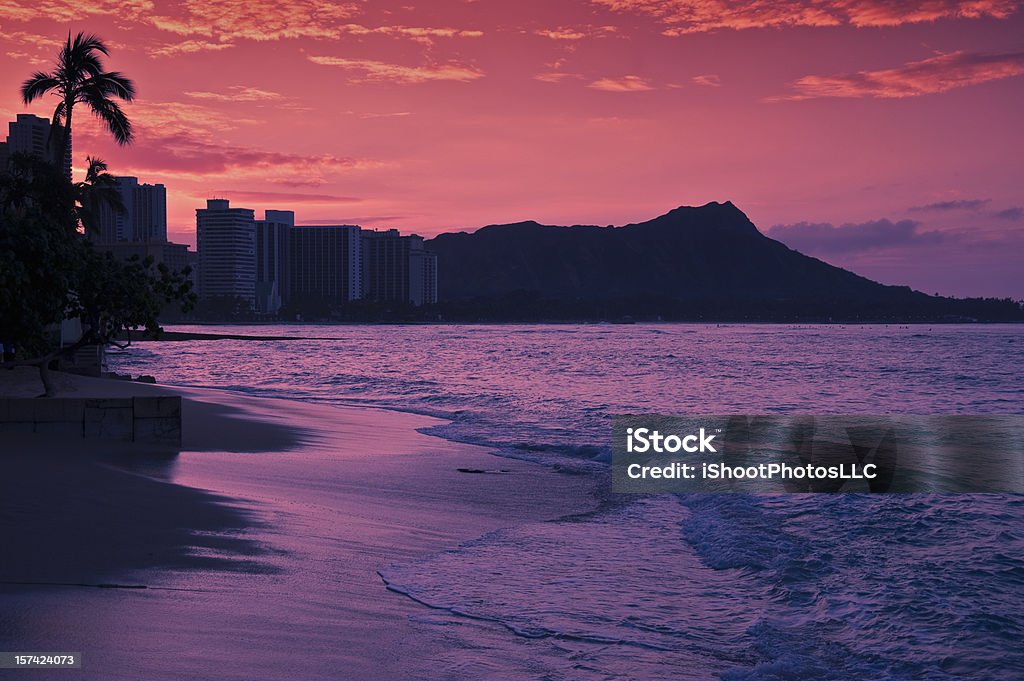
49,270
97,193
30,180
79,78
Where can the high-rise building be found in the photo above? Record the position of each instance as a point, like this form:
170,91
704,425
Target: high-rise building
398,268
422,275
30,134
150,220
226,241
144,214
272,263
324,264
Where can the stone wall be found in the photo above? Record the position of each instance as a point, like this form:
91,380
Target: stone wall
152,420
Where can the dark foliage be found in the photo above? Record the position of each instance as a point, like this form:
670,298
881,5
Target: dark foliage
49,270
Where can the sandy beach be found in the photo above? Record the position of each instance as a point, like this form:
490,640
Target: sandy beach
252,554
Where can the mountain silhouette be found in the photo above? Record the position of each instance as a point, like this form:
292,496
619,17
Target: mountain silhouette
693,262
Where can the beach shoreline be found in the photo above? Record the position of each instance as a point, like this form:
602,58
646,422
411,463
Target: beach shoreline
270,527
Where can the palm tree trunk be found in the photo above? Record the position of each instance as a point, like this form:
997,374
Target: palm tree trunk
65,147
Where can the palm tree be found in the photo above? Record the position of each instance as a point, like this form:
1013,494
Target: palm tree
98,193
79,78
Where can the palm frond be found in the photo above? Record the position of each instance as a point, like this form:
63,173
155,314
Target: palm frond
113,84
81,58
111,114
38,85
89,42
89,64
96,168
58,113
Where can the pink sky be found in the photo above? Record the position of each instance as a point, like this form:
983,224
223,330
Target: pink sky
880,135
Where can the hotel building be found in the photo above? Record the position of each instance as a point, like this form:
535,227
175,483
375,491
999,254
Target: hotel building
325,263
398,269
30,134
274,264
273,234
226,241
144,217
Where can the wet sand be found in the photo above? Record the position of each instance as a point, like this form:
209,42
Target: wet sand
258,545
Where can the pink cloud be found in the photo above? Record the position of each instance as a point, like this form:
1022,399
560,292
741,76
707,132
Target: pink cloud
357,220
623,84
237,93
561,34
69,10
397,73
577,32
698,16
708,80
186,47
420,33
187,141
291,197
929,76
555,76
188,155
258,20
167,116
383,114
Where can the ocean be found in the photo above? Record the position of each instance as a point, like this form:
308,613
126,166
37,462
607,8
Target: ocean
731,587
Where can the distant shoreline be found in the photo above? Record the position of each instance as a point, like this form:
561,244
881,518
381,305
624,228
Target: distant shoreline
178,336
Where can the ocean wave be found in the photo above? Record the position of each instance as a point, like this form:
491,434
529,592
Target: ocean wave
713,586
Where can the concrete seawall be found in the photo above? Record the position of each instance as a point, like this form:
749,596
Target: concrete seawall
151,420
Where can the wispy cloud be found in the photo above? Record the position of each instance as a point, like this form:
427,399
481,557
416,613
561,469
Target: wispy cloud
556,76
420,33
264,20
955,204
218,25
36,49
185,141
175,116
383,114
357,220
708,80
383,71
623,84
259,20
827,238
194,156
698,16
186,47
37,40
238,93
936,74
562,33
1014,214
71,10
291,197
